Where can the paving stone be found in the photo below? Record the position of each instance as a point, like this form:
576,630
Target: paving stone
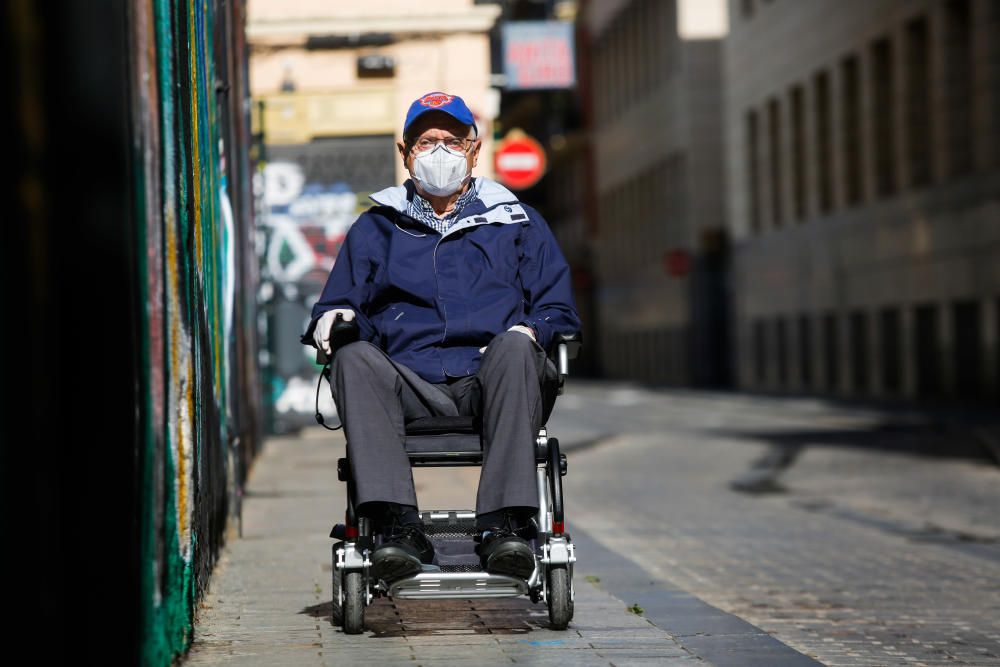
866,548
268,602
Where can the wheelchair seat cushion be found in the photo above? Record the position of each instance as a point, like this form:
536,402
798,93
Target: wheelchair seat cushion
448,441
442,425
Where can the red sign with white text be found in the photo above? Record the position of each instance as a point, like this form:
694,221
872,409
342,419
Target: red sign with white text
519,162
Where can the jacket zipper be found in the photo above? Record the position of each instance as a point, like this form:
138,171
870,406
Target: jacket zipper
437,282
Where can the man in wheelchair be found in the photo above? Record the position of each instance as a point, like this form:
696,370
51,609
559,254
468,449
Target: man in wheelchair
457,291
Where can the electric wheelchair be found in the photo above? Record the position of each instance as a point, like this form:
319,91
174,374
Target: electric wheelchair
456,571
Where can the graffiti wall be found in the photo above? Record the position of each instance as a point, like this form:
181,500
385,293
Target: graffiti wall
312,193
198,271
131,395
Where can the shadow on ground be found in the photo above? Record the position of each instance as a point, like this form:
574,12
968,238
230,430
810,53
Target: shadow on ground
931,439
409,618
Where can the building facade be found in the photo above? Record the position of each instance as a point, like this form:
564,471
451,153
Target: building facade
863,168
657,240
329,69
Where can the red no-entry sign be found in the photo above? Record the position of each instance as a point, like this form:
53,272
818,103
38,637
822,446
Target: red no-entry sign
519,161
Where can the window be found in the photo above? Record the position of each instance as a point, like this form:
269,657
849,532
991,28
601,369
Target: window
753,176
859,351
668,35
967,351
805,352
781,351
824,154
601,80
918,103
759,343
883,111
634,57
647,46
799,151
890,344
774,149
851,119
616,68
959,71
927,349
831,351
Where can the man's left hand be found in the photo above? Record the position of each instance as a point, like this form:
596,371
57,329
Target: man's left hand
517,327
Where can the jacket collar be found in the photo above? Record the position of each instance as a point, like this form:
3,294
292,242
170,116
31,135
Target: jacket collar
490,194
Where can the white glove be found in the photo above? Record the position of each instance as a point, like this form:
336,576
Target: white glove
321,334
517,327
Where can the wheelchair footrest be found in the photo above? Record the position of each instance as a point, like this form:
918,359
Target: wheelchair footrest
449,523
443,585
451,532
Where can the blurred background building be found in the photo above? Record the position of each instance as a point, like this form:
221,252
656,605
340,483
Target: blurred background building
658,232
863,172
540,99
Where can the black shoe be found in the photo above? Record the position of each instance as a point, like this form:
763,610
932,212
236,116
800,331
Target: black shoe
503,550
402,553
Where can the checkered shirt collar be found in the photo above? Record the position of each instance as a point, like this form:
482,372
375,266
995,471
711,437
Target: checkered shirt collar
422,210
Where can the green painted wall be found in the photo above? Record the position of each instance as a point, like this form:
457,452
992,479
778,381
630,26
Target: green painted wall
129,384
197,272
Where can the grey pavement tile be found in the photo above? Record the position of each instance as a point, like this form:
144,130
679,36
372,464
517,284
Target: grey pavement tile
642,652
748,650
597,632
261,655
633,642
557,660
689,661
777,566
433,640
461,660
545,642
757,557
449,652
466,659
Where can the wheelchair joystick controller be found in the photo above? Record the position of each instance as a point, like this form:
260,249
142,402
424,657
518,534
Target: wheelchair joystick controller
342,333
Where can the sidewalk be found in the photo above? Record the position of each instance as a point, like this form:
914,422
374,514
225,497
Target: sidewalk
269,599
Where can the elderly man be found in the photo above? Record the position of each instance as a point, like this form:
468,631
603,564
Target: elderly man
457,290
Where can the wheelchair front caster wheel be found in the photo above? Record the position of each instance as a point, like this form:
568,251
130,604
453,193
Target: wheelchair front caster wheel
559,600
353,613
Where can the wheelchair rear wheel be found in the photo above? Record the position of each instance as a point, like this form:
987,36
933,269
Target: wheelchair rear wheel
353,613
559,598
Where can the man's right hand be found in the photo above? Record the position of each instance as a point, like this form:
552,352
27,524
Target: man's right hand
321,335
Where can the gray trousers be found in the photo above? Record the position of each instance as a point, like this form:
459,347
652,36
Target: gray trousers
376,396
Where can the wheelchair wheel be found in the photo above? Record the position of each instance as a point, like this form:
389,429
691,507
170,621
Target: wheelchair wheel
353,613
560,603
337,615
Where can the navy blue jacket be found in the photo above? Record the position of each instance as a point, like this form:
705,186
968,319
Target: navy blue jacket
430,301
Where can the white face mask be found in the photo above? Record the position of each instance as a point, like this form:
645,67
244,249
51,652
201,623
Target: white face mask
440,171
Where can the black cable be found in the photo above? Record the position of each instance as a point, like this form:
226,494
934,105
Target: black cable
325,373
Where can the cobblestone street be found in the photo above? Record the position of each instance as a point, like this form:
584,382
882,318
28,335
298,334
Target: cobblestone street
269,603
864,550
865,556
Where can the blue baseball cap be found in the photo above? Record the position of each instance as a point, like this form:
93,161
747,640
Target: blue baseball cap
453,105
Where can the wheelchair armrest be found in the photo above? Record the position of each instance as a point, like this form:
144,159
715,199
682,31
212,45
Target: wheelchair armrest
565,346
572,341
341,333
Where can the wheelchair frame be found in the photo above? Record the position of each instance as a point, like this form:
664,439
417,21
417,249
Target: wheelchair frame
552,579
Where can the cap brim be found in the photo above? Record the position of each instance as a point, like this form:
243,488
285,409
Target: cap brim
447,111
